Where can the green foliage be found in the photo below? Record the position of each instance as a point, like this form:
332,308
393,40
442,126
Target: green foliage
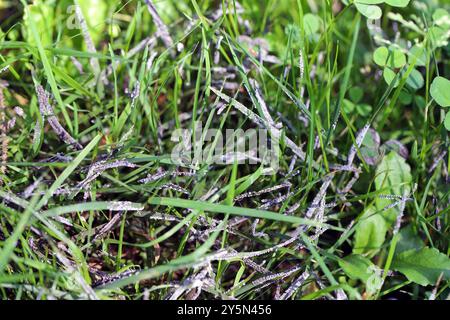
440,91
423,266
113,216
393,58
370,10
43,16
370,232
393,176
356,267
311,24
95,12
447,121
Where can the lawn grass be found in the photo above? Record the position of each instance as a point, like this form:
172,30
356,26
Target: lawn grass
94,206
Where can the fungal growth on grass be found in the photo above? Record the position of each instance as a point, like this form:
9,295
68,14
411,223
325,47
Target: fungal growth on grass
134,184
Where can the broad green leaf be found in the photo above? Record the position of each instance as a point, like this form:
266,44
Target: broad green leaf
415,80
422,266
370,232
397,3
393,176
43,18
369,11
441,17
440,91
405,97
417,54
397,59
95,13
364,109
356,94
370,1
408,239
439,36
447,121
356,267
380,56
389,76
348,106
311,23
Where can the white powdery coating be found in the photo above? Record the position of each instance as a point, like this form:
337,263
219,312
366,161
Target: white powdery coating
174,187
237,9
3,131
254,232
197,281
125,206
275,276
266,190
150,61
259,121
246,255
437,160
77,65
163,31
11,123
30,189
292,165
4,69
47,111
320,195
19,111
36,133
98,168
87,39
398,221
149,41
217,52
108,226
294,286
153,177
271,202
115,277
301,64
359,140
351,182
135,94
351,168
164,217
262,103
292,208
162,173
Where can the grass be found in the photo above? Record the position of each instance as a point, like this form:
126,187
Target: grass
94,206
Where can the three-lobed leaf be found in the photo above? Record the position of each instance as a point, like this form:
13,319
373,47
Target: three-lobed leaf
391,57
